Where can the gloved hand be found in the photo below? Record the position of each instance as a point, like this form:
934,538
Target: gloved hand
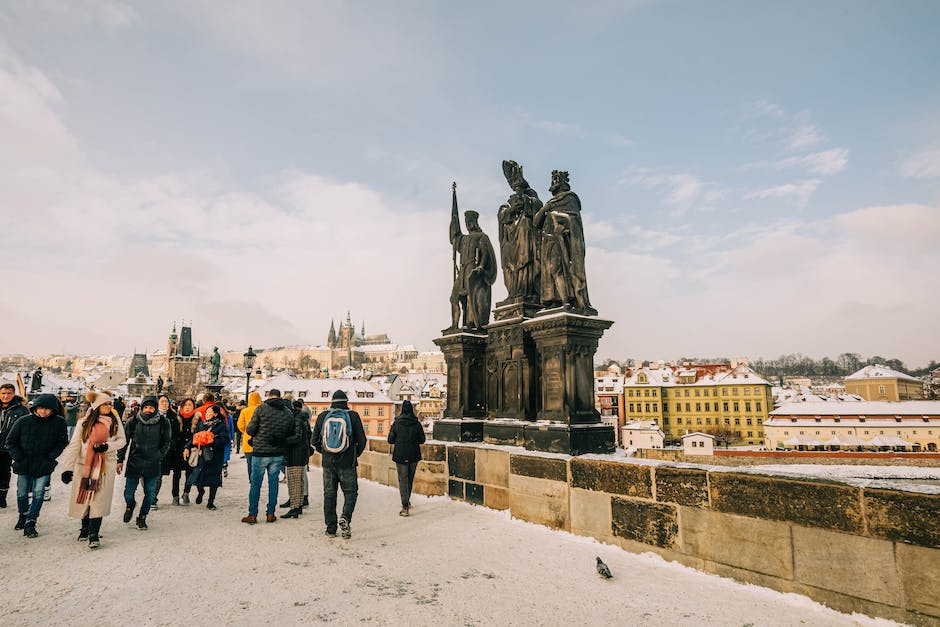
100,448
67,477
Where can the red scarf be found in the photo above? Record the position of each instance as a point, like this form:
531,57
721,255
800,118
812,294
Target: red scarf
94,462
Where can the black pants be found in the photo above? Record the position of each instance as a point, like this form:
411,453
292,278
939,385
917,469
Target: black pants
406,479
6,470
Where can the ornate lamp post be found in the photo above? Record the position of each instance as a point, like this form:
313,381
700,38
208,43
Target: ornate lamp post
249,364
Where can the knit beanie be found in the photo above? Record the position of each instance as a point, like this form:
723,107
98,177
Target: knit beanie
97,399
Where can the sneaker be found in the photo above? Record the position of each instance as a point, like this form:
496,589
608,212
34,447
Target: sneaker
93,541
142,523
211,505
344,529
20,522
30,529
82,535
199,498
176,500
330,533
154,506
250,520
46,493
186,498
129,512
403,512
270,518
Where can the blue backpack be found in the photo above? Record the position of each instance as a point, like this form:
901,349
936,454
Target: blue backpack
337,431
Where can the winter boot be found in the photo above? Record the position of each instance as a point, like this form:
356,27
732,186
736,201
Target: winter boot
93,541
185,498
94,526
176,500
30,530
211,506
293,513
83,533
20,522
142,523
129,512
285,504
306,502
199,496
3,499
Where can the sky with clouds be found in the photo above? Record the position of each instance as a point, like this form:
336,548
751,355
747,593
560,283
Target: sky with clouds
757,178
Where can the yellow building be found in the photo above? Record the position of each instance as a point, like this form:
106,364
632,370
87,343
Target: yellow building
863,425
880,383
729,400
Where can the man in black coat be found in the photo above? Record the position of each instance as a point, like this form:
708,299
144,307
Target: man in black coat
339,469
11,410
296,458
148,439
269,428
34,443
407,435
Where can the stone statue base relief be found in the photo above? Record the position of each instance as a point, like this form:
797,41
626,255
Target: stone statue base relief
527,377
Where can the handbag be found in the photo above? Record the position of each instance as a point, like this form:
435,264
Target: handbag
208,453
193,459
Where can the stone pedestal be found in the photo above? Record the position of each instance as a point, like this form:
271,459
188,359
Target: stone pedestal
464,352
507,432
565,344
216,389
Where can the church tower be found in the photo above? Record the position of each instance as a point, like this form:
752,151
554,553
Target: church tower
331,338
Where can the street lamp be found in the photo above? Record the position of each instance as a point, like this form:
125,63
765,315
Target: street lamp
249,364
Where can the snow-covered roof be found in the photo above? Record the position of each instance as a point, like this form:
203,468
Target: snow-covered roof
358,390
711,374
689,435
642,425
860,408
609,385
879,371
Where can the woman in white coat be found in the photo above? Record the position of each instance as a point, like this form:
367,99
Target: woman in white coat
91,459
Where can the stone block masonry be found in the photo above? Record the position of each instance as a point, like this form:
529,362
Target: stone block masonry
872,551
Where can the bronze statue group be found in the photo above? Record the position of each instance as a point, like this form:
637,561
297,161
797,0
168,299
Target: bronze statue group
541,252
160,438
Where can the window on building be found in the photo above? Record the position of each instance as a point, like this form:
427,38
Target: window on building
734,391
688,406
705,392
881,389
747,406
686,392
737,421
656,407
759,409
381,427
725,405
678,421
747,391
666,420
381,411
631,407
698,392
698,421
698,407
302,394
724,391
647,408
630,393
325,394
365,412
737,406
728,421
760,421
750,434
654,392
708,421
646,392
749,422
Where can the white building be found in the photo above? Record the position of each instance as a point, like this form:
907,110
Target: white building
642,434
698,443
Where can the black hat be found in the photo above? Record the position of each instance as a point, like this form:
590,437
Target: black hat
339,395
406,407
149,400
48,401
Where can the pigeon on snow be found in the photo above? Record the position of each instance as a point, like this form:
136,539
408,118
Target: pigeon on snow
602,569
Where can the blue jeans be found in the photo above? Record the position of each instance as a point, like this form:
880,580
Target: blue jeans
25,485
259,467
248,461
345,478
150,492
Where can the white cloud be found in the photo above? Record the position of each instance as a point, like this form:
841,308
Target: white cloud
682,190
822,163
803,137
801,191
924,165
765,108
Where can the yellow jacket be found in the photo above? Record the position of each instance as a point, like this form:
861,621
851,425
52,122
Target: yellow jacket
254,400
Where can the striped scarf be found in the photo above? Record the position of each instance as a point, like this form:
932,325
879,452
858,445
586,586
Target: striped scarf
94,462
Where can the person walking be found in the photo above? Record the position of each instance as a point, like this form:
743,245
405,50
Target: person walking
34,444
407,435
165,410
188,422
296,458
270,426
92,455
11,410
244,417
340,438
148,440
71,416
209,442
